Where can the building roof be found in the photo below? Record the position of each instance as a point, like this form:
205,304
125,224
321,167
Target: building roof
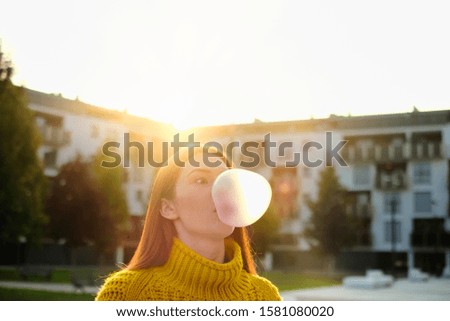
334,122
415,118
58,102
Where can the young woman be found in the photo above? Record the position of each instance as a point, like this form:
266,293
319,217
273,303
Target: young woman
185,251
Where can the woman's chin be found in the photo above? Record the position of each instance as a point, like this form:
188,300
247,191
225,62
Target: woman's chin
224,231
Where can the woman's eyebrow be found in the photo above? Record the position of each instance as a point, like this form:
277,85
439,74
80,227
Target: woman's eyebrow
203,170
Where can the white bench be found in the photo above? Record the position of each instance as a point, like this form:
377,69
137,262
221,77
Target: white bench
416,275
372,280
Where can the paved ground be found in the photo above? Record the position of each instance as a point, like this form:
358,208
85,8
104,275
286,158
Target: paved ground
401,290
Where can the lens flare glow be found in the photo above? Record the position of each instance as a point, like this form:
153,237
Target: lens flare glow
241,197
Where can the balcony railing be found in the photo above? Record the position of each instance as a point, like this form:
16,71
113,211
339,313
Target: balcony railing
362,210
426,150
392,181
431,240
54,136
393,153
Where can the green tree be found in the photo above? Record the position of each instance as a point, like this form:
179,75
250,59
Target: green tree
265,231
22,182
110,181
329,228
75,204
87,206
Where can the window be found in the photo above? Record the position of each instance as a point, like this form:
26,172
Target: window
50,159
390,234
392,203
361,175
422,173
422,202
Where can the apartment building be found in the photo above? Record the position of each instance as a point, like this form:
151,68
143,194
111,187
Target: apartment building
396,174
396,171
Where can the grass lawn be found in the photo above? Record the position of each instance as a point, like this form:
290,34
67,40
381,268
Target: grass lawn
284,281
35,295
58,275
294,281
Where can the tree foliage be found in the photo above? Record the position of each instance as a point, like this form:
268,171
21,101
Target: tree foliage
330,228
22,182
265,231
87,205
110,181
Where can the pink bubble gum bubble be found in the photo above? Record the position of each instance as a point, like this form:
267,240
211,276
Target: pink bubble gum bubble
241,197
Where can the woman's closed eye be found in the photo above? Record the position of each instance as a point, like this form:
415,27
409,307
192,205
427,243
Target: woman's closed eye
201,180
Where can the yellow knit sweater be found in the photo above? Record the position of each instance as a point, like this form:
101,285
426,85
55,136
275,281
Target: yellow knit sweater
187,276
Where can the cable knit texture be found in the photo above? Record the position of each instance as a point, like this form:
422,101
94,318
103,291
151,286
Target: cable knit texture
187,276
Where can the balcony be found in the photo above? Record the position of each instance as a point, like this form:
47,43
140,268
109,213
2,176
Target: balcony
426,150
430,233
359,211
363,237
54,136
393,153
363,222
430,240
391,181
426,145
363,210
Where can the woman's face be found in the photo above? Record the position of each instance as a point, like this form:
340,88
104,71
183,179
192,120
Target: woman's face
192,209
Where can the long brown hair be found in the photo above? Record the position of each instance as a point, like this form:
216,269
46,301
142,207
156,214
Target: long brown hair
157,236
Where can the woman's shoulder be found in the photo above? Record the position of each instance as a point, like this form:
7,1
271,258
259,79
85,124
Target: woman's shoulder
267,291
118,285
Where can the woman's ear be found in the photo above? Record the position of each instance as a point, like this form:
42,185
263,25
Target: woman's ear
168,209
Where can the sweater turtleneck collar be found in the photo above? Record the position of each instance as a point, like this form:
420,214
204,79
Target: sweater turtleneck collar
189,270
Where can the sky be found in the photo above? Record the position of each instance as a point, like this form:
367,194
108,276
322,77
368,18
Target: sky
196,63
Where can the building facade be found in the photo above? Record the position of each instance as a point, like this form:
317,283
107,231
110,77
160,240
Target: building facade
395,171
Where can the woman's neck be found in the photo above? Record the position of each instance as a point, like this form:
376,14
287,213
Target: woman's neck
211,249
